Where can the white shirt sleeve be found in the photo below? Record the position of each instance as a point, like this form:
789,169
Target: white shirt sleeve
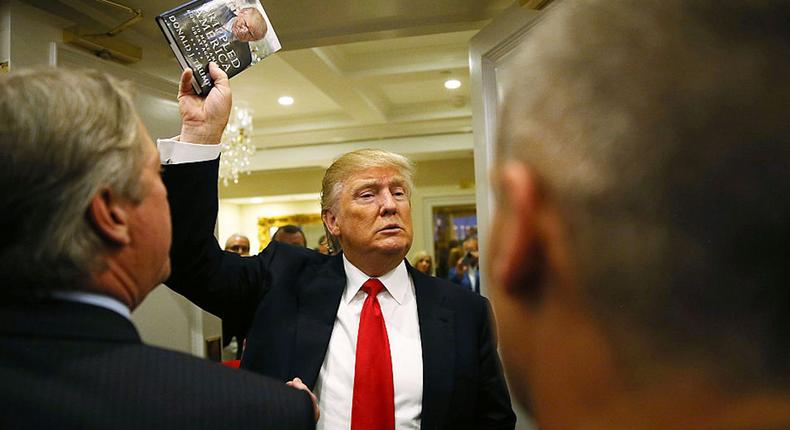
172,151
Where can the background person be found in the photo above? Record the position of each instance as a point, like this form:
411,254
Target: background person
640,274
466,271
233,338
423,262
290,234
86,233
323,245
361,328
238,244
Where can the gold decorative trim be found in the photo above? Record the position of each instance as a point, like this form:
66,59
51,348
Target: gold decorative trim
265,224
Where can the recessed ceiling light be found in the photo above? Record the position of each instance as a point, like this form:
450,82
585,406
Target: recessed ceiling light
452,84
256,200
286,100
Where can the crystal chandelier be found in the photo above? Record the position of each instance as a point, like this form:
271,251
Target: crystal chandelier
237,146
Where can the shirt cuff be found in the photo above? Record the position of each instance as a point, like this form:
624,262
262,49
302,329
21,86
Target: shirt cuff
172,151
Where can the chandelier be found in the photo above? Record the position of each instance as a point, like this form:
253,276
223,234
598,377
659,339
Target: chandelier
237,146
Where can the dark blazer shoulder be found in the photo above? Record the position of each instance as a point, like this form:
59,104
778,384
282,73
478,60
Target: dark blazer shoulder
91,361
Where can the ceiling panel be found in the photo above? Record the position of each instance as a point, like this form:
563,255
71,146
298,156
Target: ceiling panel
263,84
362,72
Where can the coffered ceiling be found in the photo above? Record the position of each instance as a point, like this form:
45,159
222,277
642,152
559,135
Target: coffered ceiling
361,73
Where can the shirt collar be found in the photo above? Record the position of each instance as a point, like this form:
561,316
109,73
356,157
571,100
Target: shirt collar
396,281
100,300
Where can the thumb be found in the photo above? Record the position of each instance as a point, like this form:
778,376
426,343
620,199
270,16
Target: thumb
185,85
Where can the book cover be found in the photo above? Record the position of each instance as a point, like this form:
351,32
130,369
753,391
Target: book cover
235,34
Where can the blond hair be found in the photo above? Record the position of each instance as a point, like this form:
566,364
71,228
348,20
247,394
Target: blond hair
352,162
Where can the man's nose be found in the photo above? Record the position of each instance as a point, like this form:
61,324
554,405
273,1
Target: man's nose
388,205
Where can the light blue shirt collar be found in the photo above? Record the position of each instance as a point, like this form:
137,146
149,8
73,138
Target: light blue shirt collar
95,299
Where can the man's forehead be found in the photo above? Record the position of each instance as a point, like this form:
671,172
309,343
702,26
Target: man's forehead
377,176
238,240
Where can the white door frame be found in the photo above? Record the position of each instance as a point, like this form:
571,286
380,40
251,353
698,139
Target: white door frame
430,202
486,50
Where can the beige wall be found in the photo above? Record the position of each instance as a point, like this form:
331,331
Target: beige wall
243,218
5,31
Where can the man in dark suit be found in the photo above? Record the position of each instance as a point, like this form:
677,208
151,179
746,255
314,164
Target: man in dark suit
382,345
640,277
466,272
86,234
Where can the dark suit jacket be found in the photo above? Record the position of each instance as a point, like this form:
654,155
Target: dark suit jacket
289,297
66,365
463,280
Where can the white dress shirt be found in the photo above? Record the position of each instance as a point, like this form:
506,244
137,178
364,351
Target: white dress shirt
335,385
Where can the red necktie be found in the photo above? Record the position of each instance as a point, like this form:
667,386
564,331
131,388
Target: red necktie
374,395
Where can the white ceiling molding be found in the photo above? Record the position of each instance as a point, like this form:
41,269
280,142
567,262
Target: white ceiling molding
416,148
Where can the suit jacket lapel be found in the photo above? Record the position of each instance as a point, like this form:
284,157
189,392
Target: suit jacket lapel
437,334
317,306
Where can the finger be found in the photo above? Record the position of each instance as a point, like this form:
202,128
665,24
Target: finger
218,76
185,86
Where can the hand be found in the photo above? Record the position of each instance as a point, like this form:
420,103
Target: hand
204,119
460,268
299,385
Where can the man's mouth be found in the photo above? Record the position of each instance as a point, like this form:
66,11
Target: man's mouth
390,228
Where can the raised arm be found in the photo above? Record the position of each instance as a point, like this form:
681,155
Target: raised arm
222,283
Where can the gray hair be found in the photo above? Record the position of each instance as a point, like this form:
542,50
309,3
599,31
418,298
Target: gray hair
353,162
660,129
64,135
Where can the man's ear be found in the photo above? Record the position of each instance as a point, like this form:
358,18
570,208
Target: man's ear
110,217
330,220
519,265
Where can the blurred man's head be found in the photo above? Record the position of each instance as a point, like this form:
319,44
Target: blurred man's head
290,234
83,202
249,25
366,207
642,225
238,244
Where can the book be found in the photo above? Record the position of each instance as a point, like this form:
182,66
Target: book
235,34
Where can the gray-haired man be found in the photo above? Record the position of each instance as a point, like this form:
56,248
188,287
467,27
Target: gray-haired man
86,234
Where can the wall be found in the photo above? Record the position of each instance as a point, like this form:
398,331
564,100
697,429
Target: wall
164,318
5,31
243,218
32,33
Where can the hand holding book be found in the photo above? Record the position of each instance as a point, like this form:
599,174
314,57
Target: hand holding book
204,119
